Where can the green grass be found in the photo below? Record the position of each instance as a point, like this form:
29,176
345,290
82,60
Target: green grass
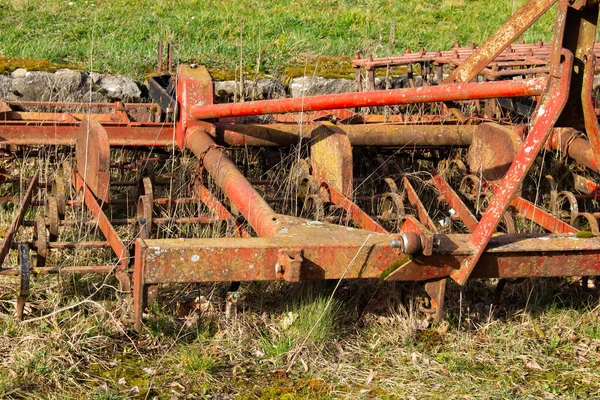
542,346
121,36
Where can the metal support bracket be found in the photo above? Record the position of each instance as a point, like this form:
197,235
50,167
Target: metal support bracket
289,263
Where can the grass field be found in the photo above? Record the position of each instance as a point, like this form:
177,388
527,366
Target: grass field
371,343
366,340
120,37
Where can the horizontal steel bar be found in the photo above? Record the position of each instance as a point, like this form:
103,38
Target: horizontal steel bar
87,269
425,94
363,256
235,134
32,133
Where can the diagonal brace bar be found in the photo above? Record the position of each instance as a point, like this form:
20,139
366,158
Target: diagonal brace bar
547,114
16,222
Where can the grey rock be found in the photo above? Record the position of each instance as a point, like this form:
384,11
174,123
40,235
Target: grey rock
315,85
116,87
19,73
224,91
5,87
269,89
260,90
68,86
399,82
34,86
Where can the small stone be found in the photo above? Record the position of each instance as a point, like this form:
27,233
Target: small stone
316,85
19,73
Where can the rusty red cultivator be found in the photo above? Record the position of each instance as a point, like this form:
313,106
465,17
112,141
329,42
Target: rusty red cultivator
482,170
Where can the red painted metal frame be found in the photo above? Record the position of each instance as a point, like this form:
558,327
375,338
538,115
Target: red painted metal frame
454,201
215,205
428,94
355,213
106,228
546,116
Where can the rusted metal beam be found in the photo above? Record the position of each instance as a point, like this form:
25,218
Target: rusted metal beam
427,94
413,199
18,219
372,134
213,204
355,213
106,228
233,183
450,196
500,40
547,114
36,133
254,259
547,221
86,269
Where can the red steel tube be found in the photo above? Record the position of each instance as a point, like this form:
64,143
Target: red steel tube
240,192
425,94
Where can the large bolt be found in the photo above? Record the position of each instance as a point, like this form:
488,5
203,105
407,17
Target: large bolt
408,243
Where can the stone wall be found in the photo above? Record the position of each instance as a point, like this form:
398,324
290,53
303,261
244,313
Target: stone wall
67,85
77,86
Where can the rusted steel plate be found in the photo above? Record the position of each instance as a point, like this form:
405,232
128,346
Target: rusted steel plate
548,113
427,94
493,150
7,241
93,158
331,157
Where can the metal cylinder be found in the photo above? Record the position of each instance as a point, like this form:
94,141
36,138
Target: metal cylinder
567,140
425,94
233,183
360,135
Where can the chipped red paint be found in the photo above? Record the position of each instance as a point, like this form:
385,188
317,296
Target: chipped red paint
547,114
425,94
